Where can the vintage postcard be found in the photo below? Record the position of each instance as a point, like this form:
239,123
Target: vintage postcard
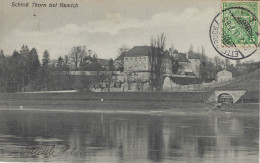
136,81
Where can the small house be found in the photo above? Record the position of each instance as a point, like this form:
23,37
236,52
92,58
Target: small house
223,76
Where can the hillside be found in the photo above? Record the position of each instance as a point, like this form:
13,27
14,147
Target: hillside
249,81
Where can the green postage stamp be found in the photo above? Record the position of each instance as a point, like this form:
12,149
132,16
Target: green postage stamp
240,23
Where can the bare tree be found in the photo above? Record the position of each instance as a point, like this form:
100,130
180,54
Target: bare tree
156,59
152,54
122,50
191,47
74,55
77,55
110,73
66,62
238,62
172,49
217,61
227,62
82,55
202,50
198,50
218,64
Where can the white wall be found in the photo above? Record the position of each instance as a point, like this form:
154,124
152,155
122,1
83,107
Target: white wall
223,76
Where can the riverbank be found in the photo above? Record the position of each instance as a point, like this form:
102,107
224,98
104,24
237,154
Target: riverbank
128,107
139,102
118,96
235,110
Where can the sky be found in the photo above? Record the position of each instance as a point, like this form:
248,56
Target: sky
105,25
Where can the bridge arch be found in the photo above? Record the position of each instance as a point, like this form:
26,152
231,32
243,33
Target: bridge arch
230,96
225,98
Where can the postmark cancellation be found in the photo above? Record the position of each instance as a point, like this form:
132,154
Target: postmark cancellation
240,23
234,32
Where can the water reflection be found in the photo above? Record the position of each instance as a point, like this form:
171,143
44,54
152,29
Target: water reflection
100,137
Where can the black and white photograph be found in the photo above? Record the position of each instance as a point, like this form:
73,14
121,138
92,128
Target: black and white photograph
129,81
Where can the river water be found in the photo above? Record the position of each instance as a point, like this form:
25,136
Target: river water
44,136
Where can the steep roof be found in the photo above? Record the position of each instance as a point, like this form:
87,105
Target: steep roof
138,51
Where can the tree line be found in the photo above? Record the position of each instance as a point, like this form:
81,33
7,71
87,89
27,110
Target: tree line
23,70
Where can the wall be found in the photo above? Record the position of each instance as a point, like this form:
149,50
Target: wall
91,73
170,86
138,77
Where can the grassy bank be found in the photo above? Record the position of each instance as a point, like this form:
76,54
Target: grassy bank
249,81
130,107
126,96
167,102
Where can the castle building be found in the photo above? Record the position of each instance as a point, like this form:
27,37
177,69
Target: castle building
137,62
194,62
184,63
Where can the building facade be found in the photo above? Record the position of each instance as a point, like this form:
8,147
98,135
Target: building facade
223,76
137,63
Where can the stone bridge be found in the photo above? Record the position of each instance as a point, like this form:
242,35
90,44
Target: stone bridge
233,96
